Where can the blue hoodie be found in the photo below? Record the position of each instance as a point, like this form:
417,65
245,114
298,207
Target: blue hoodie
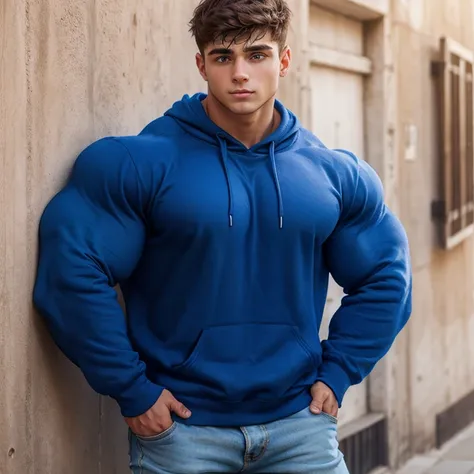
223,255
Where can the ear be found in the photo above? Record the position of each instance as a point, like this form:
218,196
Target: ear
201,65
285,61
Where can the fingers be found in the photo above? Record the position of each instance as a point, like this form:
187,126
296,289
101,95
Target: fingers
158,418
330,407
148,425
319,398
178,408
323,400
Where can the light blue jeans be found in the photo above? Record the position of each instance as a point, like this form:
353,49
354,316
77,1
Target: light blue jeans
301,443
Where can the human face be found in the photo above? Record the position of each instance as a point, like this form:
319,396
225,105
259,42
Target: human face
244,77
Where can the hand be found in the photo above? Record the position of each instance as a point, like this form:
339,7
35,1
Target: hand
323,400
158,418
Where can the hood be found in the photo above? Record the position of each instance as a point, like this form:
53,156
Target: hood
190,115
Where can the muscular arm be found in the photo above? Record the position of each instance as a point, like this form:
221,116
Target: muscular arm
91,238
368,256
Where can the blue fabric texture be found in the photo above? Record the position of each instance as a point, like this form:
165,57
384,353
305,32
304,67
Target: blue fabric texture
223,255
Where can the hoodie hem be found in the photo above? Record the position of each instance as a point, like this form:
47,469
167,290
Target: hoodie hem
206,412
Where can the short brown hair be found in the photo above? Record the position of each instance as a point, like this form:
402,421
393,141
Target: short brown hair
236,21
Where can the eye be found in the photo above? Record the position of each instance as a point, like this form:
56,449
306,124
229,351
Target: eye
222,59
258,56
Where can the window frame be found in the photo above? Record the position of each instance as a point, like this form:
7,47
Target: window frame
456,100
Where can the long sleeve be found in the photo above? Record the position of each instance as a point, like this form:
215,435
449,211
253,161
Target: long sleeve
91,238
368,255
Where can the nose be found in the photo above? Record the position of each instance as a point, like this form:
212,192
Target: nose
239,76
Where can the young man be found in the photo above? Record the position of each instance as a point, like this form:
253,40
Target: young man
221,222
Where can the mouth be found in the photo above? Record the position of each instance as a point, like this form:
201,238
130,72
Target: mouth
242,93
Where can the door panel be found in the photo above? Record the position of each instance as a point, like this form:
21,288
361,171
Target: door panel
335,31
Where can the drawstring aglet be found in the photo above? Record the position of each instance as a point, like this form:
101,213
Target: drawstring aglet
281,222
231,220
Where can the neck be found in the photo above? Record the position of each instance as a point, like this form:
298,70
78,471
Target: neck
249,129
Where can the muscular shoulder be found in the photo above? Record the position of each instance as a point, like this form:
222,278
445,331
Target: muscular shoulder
145,157
349,174
339,160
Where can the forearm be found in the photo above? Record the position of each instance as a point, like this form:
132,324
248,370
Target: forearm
362,331
86,321
376,275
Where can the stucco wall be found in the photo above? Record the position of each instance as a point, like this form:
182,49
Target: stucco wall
440,335
72,71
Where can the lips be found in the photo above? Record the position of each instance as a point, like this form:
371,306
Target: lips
242,93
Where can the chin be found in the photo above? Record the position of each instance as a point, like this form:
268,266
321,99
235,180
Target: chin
244,107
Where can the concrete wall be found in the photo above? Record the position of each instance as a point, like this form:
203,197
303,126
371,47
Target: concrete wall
437,366
72,71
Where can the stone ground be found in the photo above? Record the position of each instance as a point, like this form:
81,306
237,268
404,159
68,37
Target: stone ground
455,457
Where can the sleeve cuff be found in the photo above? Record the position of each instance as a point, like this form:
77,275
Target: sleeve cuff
333,375
139,398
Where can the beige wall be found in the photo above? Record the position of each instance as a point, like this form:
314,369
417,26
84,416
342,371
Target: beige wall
439,341
74,70
70,72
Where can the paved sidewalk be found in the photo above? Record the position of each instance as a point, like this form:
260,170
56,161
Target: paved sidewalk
455,457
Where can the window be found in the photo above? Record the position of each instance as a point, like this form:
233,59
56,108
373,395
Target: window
455,81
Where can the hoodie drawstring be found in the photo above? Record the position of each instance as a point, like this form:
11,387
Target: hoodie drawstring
223,145
224,156
277,184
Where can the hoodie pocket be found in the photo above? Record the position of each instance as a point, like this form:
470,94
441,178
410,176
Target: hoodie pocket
251,361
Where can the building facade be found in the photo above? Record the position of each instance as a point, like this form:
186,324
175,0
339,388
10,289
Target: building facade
389,79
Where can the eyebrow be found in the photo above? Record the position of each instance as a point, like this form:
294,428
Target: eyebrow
247,49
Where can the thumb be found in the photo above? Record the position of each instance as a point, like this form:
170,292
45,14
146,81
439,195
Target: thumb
318,401
178,408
